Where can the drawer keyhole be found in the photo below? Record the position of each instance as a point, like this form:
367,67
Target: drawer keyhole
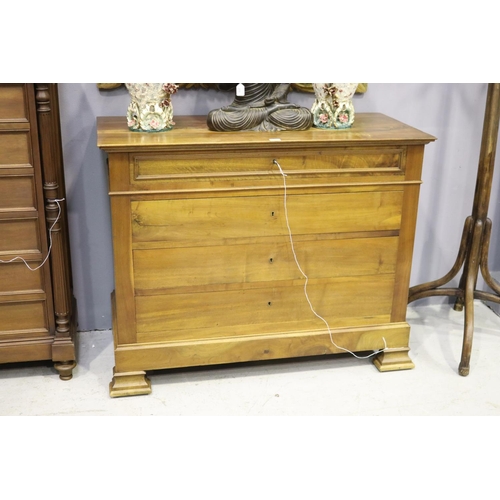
271,260
269,303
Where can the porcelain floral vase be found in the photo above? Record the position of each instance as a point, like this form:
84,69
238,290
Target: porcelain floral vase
333,108
150,108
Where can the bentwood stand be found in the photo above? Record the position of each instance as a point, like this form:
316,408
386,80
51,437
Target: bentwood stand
473,251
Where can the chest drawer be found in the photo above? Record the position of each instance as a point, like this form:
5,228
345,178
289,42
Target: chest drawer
242,170
208,221
272,308
158,270
157,167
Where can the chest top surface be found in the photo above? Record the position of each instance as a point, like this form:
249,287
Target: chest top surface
190,132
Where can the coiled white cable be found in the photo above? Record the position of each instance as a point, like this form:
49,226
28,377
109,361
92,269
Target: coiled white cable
50,242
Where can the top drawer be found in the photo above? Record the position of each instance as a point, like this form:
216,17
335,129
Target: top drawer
206,171
13,106
341,159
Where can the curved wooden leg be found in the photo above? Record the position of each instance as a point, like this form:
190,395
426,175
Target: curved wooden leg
464,367
432,287
129,384
65,369
483,264
470,284
459,304
465,244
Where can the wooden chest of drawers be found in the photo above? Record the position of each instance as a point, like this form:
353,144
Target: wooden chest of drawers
37,313
206,271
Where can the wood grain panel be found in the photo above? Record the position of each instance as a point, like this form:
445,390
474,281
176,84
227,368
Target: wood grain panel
211,220
124,274
31,347
23,316
13,103
285,344
406,241
17,192
19,235
159,269
341,301
157,167
14,148
15,277
191,132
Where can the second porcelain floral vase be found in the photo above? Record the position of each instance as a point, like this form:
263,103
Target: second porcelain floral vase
150,109
333,108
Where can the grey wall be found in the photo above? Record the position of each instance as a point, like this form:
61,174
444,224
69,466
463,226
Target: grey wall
452,112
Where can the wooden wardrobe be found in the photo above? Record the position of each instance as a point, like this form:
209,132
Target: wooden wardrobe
37,308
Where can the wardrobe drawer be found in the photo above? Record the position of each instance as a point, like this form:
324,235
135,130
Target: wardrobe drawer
209,221
169,268
17,192
22,316
19,235
14,149
13,103
16,277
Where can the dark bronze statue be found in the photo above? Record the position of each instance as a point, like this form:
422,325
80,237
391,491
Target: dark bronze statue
263,107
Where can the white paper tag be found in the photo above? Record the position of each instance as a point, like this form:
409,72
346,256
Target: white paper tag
240,90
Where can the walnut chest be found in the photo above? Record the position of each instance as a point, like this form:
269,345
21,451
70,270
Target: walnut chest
215,233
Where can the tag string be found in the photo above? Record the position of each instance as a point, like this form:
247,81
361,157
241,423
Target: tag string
307,278
50,242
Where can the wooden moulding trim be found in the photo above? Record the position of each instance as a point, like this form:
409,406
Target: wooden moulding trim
28,255
307,151
28,214
35,349
19,169
26,340
259,188
26,296
239,148
249,173
15,125
15,212
384,233
163,355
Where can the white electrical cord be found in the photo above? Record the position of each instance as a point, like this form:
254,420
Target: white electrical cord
307,278
50,242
